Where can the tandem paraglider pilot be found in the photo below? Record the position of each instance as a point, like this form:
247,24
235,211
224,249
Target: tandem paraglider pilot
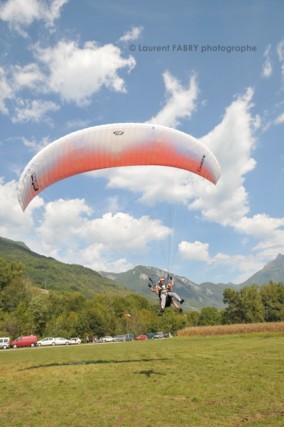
164,290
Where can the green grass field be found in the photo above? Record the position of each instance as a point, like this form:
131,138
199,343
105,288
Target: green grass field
184,381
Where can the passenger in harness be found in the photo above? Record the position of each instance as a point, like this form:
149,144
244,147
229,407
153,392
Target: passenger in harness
165,293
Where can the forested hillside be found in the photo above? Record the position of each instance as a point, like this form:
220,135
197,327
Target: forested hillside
48,273
26,309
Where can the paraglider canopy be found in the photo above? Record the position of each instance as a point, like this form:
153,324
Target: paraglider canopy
113,145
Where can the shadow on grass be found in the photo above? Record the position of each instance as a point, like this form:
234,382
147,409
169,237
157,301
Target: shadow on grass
149,373
96,362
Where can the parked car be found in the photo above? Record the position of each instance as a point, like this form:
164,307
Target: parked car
29,341
159,335
150,335
108,338
61,341
5,342
46,341
129,337
75,341
167,335
119,338
141,337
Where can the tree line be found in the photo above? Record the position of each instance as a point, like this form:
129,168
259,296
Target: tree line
26,309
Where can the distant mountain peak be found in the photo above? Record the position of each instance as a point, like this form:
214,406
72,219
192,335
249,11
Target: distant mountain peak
42,270
272,271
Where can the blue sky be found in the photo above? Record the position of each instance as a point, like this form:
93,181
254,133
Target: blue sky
213,69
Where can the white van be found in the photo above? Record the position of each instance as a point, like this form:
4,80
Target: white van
5,342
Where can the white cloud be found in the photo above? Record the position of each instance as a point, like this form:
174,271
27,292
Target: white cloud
77,73
73,73
6,91
241,267
13,224
96,257
280,54
32,110
154,184
61,221
180,103
28,76
52,13
260,225
267,66
280,119
20,14
195,251
122,230
232,141
268,233
35,145
131,35
280,50
69,232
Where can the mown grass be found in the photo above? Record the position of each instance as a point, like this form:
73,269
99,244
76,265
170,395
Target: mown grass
215,381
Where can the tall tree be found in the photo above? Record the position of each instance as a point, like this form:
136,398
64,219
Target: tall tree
244,306
9,271
210,316
272,296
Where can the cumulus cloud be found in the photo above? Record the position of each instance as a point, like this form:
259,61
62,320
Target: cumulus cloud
153,184
71,72
131,35
268,232
195,251
279,119
19,14
12,221
57,226
97,257
280,54
28,76
34,145
280,50
70,232
33,110
232,141
121,227
62,230
200,252
76,73
180,101
6,91
267,66
239,266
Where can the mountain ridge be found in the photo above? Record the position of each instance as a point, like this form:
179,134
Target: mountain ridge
48,273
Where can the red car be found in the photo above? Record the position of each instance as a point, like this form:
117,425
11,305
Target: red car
30,341
141,337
